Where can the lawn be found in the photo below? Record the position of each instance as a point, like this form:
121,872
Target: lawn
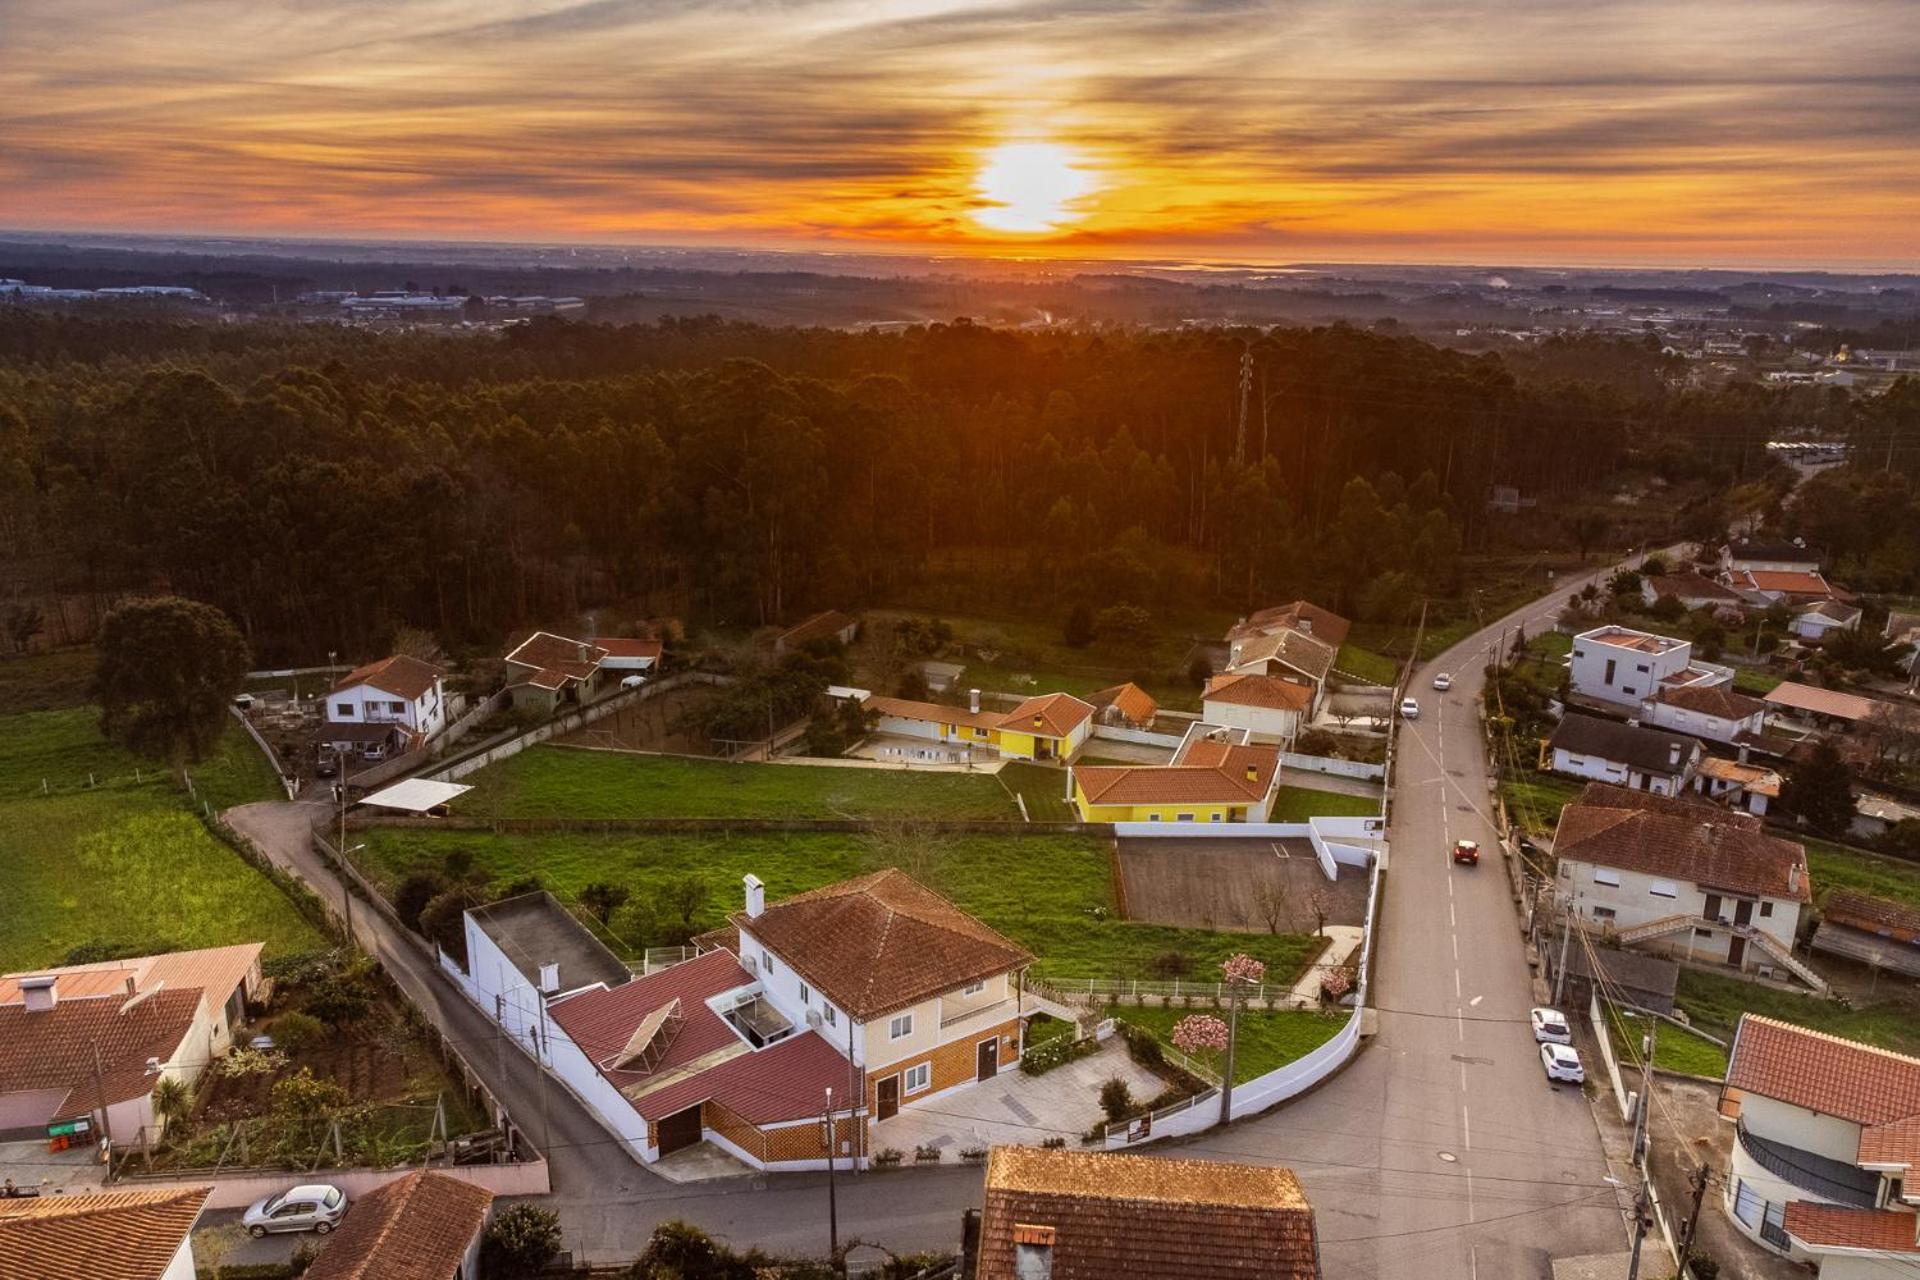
125,862
562,782
1043,788
1266,1040
1297,804
1835,866
1534,801
46,681
1365,664
1674,1048
1030,680
1756,681
1053,895
1715,1003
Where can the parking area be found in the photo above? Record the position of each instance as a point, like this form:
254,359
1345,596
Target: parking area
31,1167
1248,886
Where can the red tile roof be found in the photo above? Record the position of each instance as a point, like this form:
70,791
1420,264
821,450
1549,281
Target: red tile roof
1712,700
627,647
1874,1088
879,943
1050,715
821,626
1832,1226
1208,773
216,971
1109,1215
1686,840
1862,911
1135,705
1296,649
1270,692
1302,616
1785,581
555,660
414,1228
933,712
54,1049
108,1235
1692,586
400,675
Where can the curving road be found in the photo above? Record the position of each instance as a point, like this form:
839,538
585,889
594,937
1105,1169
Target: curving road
1440,1151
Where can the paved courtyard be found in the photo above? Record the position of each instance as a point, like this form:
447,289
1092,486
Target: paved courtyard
1016,1108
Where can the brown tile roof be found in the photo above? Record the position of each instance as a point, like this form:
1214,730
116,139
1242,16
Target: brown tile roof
627,646
1295,649
1824,702
1209,773
875,944
1862,911
1112,1215
1833,1226
107,1235
1755,778
933,712
1135,705
1270,692
1301,615
1786,581
1692,586
1051,715
555,660
53,1049
413,1228
399,675
1857,1082
821,626
1682,839
216,971
1712,700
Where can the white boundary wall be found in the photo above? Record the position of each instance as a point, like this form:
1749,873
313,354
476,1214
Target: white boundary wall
1335,767
238,1190
1144,737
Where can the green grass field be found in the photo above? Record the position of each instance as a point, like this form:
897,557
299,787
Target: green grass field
1535,800
562,782
1027,681
1674,1048
1366,664
1834,866
1043,788
125,862
1047,893
46,681
1266,1041
1756,681
1715,1003
1297,804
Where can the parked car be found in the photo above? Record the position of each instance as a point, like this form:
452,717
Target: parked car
1467,852
314,1206
1443,682
1562,1064
633,682
1410,708
1550,1027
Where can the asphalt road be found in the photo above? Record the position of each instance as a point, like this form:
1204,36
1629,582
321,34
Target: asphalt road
1441,1151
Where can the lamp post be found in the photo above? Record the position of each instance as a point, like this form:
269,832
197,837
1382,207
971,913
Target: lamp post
833,1208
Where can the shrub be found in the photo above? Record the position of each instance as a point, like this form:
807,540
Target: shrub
1171,964
1704,1266
522,1239
299,968
1116,1099
343,996
926,1154
1199,671
442,921
305,1096
1143,1047
296,1031
679,1249
973,1155
242,1063
887,1156
1058,1051
413,895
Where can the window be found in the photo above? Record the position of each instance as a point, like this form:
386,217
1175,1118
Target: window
1216,816
919,1077
1747,1204
1703,933
833,1014
1603,915
901,1027
974,988
1766,910
1627,688
806,995
343,710
1153,817
1644,669
1183,817
1664,889
1609,675
1606,875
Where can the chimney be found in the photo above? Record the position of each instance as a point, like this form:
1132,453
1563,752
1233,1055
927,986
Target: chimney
1039,722
1793,878
549,978
973,701
1253,773
1304,626
756,896
1673,756
40,993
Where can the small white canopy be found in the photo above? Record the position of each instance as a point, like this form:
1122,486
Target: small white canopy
416,795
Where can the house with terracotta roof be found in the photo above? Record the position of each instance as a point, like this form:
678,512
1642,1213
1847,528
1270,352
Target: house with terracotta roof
424,1226
1268,707
1692,590
831,625
1217,774
1297,656
1826,1136
1876,932
1684,878
1774,586
1738,784
105,1235
1625,667
1126,706
400,691
876,989
1303,616
1083,1215
1050,726
152,1017
546,671
1714,712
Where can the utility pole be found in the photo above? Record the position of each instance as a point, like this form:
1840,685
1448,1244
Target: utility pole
346,891
1641,1214
1233,1035
100,1091
1693,1218
1560,970
833,1206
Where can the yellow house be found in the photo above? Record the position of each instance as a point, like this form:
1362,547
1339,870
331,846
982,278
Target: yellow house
1209,781
1053,726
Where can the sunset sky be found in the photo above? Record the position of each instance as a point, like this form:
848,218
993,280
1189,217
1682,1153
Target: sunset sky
1736,132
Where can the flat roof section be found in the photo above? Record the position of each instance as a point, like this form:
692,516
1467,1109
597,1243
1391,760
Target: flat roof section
534,930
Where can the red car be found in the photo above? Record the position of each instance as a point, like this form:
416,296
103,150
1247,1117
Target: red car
1466,851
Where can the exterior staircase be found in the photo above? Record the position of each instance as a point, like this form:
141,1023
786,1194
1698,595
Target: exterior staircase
1656,929
1782,956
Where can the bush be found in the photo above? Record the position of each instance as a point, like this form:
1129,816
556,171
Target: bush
344,995
299,968
1704,1266
1045,1056
1054,1143
926,1154
443,922
1116,1099
682,1251
305,1096
522,1239
413,895
1171,964
297,1031
1199,671
1143,1047
887,1156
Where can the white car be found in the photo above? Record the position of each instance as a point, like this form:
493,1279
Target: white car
1443,682
1550,1027
1410,708
1562,1064
315,1207
633,682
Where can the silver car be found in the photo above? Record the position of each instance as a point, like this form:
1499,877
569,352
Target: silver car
315,1207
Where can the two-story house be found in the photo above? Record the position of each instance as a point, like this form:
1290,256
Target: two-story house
1268,707
1625,667
1287,654
1628,755
1683,878
399,693
1827,1132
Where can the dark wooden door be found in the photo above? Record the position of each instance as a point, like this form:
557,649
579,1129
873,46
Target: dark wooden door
1711,911
681,1129
887,1096
1743,913
989,1059
1736,951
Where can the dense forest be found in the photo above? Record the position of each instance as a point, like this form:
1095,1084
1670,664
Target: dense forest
326,485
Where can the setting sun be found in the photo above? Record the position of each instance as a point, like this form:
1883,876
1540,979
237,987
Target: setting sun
1031,187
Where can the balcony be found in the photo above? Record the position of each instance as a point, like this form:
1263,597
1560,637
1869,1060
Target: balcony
1831,1180
1002,1007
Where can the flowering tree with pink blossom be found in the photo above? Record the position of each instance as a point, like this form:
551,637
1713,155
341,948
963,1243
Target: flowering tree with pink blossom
1244,968
1200,1033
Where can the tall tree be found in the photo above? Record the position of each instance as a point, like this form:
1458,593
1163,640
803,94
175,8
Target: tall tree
167,671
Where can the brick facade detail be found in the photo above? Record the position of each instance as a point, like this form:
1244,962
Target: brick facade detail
954,1063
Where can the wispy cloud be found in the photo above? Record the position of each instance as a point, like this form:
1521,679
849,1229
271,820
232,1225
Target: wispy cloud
1749,129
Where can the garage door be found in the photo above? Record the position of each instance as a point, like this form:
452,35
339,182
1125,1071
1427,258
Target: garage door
681,1129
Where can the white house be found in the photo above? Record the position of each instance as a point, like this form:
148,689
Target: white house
1776,555
1288,654
1738,784
399,691
118,1231
1684,878
1267,707
1713,712
1821,619
1628,755
1692,590
1827,1132
1625,667
425,1224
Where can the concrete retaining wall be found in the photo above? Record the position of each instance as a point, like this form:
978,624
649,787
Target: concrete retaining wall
236,1189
